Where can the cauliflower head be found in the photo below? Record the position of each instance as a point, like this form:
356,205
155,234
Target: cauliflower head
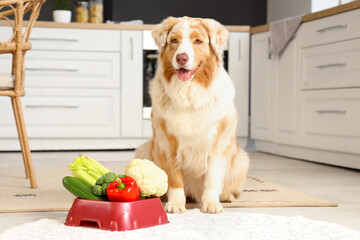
152,180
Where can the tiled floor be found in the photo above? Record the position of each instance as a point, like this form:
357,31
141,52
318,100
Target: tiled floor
332,183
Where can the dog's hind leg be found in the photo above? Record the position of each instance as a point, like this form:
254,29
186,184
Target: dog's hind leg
144,151
235,180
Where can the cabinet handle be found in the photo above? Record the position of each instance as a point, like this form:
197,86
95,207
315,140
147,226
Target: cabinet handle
53,69
54,39
269,51
322,30
131,48
50,106
331,111
332,65
239,50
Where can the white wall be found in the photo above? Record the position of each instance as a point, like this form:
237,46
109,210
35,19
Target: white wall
280,9
318,5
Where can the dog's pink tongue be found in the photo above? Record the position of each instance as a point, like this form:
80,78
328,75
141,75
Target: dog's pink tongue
183,74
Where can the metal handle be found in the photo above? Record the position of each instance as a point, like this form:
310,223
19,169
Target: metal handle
131,48
269,48
239,50
152,56
332,65
332,111
54,39
52,69
322,30
50,106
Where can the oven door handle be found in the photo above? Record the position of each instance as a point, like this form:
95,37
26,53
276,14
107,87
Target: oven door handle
152,56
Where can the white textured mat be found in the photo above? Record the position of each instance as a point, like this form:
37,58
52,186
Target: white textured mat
195,225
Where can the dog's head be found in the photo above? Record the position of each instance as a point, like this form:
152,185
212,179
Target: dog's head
190,48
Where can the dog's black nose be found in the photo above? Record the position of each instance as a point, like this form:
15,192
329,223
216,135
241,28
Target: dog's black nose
182,58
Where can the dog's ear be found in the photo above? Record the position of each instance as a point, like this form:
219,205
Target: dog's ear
218,35
161,31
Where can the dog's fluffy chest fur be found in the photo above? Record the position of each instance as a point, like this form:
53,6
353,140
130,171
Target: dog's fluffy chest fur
191,112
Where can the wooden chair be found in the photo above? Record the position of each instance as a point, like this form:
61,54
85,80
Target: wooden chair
13,85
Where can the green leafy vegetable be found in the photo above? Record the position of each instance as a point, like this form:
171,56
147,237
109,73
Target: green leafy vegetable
106,178
97,190
87,169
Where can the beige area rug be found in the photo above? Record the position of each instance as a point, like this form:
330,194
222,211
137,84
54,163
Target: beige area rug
17,196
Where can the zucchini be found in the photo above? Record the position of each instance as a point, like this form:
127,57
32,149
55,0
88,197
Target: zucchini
80,189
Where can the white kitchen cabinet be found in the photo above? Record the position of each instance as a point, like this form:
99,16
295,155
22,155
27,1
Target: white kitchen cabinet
305,103
238,63
274,111
334,65
331,120
66,39
131,84
262,89
66,69
330,29
55,113
72,84
330,84
286,104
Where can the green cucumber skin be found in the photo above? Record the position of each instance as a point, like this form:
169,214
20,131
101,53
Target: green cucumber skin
79,188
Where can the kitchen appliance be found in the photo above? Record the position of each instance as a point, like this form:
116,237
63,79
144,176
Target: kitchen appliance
150,55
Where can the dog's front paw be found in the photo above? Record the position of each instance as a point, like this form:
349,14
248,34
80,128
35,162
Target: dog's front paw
175,207
212,207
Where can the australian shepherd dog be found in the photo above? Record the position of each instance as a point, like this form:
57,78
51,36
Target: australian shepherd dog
194,116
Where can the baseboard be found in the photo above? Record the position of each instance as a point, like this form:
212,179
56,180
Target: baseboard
73,144
314,155
83,144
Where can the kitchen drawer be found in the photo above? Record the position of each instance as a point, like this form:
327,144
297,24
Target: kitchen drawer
331,29
331,119
68,69
65,113
335,65
75,39
70,39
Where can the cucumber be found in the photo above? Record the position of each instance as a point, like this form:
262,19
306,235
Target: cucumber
80,189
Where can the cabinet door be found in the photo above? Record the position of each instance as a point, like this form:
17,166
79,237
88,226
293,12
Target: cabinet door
68,39
239,73
65,69
64,113
131,84
331,120
262,89
286,104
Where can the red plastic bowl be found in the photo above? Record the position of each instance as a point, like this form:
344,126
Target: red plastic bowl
116,216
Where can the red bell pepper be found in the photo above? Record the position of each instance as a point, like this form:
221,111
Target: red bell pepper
123,190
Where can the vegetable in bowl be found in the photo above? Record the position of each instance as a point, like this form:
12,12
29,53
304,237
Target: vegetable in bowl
103,182
152,180
87,169
93,181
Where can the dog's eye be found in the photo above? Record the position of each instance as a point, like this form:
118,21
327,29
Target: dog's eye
174,40
197,41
